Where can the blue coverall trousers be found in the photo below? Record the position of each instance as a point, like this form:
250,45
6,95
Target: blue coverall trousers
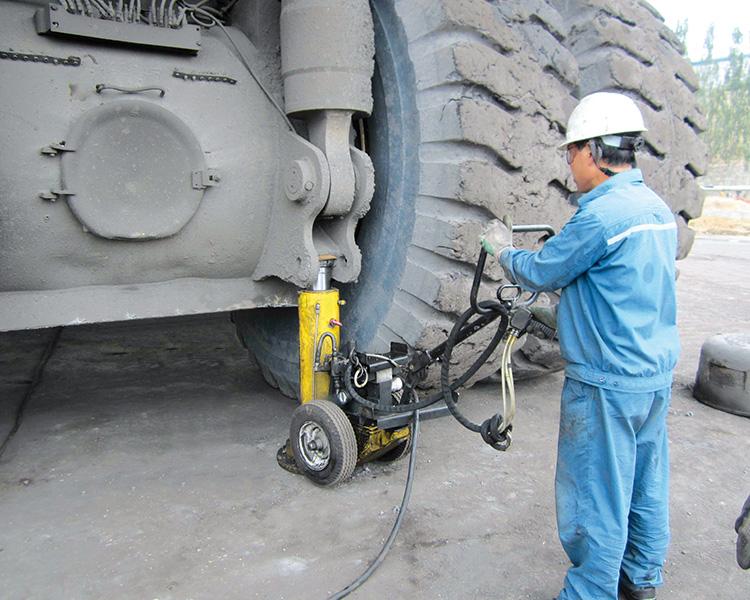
612,488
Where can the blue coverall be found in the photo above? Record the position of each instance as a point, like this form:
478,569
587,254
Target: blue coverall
615,263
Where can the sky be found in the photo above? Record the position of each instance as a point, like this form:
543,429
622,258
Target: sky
726,15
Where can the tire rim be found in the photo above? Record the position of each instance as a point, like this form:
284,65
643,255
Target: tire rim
314,446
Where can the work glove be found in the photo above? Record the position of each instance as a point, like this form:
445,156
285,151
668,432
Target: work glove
742,527
497,236
545,314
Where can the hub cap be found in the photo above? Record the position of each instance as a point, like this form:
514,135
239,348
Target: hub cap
314,446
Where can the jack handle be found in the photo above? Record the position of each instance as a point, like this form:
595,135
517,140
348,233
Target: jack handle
534,228
490,306
494,305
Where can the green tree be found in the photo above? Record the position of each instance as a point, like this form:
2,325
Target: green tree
681,31
725,97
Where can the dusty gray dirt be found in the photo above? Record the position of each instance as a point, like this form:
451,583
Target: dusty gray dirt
144,468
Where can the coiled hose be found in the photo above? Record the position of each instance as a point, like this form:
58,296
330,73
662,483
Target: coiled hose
495,431
410,407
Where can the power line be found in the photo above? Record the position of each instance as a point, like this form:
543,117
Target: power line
713,61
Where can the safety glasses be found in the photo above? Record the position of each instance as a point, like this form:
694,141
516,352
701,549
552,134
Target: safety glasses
570,153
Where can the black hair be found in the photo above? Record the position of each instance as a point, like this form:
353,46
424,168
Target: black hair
616,157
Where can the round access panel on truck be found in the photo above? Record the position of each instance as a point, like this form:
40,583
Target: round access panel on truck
723,379
132,171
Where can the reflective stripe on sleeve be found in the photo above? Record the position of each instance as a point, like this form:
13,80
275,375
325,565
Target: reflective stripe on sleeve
645,227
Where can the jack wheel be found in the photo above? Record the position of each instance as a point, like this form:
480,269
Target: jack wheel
323,442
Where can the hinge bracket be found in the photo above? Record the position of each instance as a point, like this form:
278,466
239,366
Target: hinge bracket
56,148
54,195
205,179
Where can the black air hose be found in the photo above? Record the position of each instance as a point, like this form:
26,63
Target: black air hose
445,371
448,389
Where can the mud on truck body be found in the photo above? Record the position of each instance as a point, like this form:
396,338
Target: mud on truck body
166,157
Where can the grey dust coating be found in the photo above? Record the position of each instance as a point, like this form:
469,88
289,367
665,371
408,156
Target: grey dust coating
129,192
206,201
471,100
145,468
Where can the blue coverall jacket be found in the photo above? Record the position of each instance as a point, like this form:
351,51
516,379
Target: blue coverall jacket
615,263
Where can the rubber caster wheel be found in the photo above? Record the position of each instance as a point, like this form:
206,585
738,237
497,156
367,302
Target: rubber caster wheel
323,442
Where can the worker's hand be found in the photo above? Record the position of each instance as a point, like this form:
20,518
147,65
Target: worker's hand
508,221
742,527
496,238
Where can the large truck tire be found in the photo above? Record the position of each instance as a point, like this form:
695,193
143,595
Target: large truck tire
624,45
471,100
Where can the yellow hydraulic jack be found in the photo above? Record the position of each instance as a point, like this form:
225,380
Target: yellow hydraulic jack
319,333
325,442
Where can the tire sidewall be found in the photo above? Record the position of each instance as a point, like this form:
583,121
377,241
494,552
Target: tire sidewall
385,233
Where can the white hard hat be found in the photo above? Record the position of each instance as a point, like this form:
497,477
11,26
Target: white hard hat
601,114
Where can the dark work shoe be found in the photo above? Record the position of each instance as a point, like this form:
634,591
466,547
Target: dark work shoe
628,592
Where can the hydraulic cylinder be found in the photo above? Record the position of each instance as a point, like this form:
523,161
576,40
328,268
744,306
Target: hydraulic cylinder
319,334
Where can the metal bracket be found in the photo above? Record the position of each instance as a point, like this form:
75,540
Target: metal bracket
341,230
205,179
71,61
203,77
55,20
329,130
55,149
289,252
54,195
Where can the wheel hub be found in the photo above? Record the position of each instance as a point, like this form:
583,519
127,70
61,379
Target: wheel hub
314,446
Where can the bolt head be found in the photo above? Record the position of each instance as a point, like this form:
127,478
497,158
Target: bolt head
299,180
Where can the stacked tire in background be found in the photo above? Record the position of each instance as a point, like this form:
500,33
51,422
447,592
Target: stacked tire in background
471,101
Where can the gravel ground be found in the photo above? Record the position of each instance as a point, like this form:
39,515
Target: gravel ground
144,468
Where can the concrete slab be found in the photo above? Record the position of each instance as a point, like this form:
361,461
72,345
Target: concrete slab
144,468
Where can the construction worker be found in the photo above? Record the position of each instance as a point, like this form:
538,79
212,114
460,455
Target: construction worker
615,263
